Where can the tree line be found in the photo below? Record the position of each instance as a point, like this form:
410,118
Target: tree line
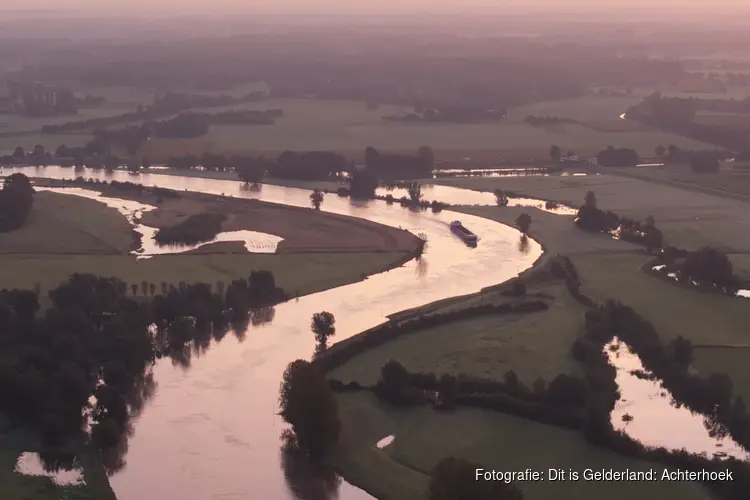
169,104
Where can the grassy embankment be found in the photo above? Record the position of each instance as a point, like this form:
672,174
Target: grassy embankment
536,345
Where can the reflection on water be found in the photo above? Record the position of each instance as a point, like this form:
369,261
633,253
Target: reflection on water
647,412
305,478
209,432
254,241
458,196
62,473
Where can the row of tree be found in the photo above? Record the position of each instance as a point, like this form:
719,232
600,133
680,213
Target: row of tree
165,105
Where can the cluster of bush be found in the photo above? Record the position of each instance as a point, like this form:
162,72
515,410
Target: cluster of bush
707,268
16,200
618,157
122,186
562,268
197,228
593,219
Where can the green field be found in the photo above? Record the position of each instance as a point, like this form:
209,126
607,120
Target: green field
493,439
349,127
64,224
532,345
689,219
303,272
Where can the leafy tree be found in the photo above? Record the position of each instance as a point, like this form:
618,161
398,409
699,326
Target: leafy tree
316,198
709,266
682,351
307,403
555,153
524,223
16,201
134,289
415,191
590,200
501,198
620,157
323,326
19,153
362,183
455,479
660,150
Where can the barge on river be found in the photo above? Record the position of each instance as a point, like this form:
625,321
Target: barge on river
463,233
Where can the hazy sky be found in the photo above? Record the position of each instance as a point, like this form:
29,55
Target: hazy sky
349,6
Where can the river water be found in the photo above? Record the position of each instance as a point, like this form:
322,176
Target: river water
211,431
649,410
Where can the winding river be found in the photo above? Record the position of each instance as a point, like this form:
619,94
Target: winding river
211,431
